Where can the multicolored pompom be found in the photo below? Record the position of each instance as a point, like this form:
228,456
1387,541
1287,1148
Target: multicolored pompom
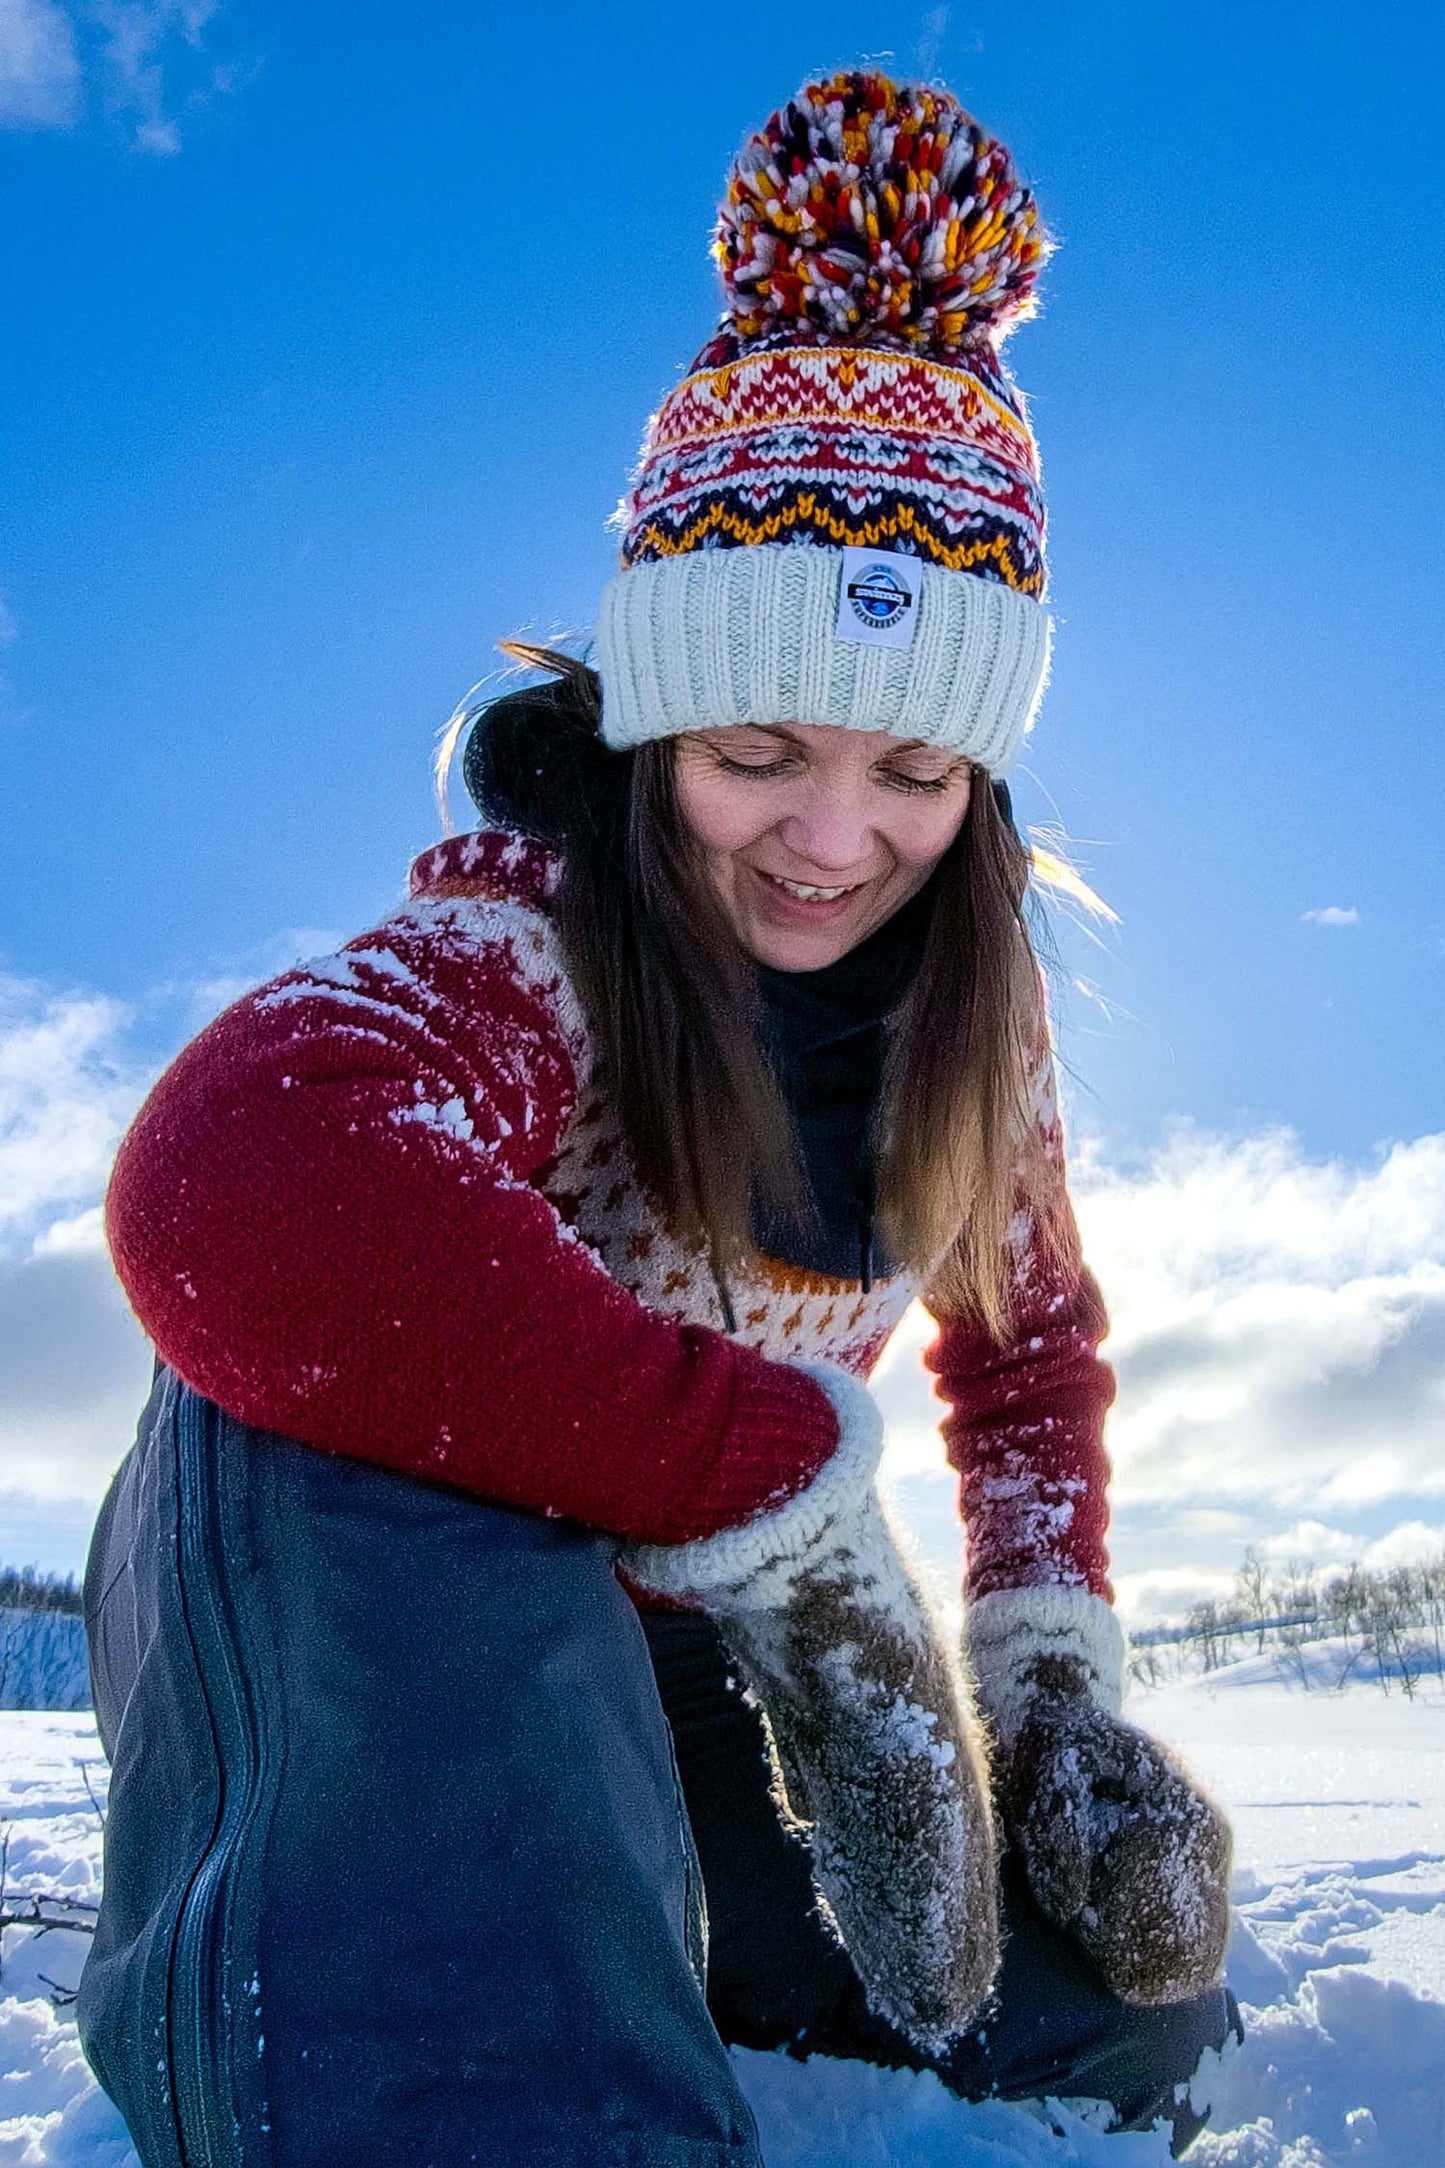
869,209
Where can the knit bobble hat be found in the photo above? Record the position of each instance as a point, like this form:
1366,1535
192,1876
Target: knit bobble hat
837,515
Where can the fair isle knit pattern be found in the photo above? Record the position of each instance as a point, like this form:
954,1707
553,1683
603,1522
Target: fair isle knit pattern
384,1205
843,446
785,1313
876,247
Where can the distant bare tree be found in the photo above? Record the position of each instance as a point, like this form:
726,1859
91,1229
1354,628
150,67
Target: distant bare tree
1206,1629
1145,1665
1251,1582
1394,1617
1432,1602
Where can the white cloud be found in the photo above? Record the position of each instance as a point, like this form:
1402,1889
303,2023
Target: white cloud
74,1372
1279,1323
39,65
139,59
1310,1542
67,1088
162,138
1326,1548
1407,1545
1278,1328
1168,1592
82,1235
73,1362
143,61
1333,914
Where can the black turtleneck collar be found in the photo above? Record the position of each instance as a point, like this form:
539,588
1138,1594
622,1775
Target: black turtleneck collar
825,1035
860,987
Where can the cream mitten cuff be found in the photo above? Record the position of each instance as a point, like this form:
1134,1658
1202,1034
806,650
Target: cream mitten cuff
1007,1633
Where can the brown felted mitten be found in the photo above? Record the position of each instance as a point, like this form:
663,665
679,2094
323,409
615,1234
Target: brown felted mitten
879,1757
1119,1844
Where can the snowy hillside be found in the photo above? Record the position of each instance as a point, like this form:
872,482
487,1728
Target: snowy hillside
1338,1954
42,1660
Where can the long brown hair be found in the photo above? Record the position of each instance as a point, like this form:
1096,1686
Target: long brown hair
673,1001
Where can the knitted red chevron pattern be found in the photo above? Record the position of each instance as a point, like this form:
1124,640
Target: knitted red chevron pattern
845,448
851,387
380,1205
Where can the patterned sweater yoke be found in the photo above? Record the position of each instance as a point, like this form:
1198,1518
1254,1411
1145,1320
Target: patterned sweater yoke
382,1206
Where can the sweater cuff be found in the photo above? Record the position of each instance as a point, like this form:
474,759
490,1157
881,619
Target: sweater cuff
1005,1635
777,1432
772,1542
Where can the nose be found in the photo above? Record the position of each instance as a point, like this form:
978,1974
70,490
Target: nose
831,834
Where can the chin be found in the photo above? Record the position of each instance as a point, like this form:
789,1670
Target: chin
800,951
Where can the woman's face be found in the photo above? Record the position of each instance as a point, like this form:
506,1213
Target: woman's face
856,811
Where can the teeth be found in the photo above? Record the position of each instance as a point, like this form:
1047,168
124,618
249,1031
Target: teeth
797,888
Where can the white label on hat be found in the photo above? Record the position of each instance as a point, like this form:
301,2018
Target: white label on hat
878,598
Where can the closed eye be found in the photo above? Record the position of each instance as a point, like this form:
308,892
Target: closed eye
777,767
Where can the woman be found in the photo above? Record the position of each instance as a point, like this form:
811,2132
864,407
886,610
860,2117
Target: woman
552,1228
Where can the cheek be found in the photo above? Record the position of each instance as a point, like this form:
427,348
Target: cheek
923,829
721,816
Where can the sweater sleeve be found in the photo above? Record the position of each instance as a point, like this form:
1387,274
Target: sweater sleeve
1025,1423
324,1219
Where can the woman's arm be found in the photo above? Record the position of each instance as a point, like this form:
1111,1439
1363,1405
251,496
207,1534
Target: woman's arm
322,1216
1118,1842
1025,1430
1025,1426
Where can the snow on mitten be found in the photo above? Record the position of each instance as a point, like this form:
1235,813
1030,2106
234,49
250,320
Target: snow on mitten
879,1756
1119,1844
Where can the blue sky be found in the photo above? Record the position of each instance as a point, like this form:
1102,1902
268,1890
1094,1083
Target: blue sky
331,337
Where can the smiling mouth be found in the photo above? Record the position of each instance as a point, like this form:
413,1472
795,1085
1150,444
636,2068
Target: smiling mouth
809,891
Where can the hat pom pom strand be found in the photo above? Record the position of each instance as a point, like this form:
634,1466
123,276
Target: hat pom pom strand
873,209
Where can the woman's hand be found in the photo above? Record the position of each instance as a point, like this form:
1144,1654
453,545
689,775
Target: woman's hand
1119,1845
878,1756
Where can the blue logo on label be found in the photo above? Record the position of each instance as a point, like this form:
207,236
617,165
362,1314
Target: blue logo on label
879,597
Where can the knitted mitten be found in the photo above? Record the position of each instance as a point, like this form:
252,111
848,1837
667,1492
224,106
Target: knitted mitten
878,1754
1119,1844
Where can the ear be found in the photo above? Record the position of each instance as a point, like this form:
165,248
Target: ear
1003,799
534,762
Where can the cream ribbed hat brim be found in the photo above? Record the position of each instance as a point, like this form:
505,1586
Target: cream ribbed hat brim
715,636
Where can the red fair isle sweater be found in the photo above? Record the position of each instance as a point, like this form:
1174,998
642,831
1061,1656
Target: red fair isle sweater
381,1206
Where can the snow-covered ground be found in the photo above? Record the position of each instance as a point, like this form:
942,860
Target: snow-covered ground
1339,1956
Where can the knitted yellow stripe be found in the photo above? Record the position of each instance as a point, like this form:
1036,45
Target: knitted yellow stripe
805,511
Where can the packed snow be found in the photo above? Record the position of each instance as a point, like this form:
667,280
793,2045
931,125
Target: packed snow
1338,1955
